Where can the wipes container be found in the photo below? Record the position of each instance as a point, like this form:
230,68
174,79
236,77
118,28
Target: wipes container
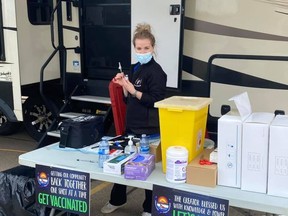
183,123
176,161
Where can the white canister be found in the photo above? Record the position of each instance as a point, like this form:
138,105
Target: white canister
176,164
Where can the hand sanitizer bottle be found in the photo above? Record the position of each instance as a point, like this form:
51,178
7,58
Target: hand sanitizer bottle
130,148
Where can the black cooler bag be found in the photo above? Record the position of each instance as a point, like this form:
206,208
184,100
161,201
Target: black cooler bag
81,131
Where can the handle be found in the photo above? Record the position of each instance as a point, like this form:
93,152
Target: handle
175,9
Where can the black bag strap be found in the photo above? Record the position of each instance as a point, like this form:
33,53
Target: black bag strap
64,132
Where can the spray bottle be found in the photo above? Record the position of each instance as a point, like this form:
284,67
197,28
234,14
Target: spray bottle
130,148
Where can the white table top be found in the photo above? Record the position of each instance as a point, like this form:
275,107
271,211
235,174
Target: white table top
62,158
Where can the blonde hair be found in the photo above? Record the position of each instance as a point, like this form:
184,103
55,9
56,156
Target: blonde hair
143,31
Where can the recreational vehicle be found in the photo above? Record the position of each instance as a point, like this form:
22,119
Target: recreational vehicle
56,52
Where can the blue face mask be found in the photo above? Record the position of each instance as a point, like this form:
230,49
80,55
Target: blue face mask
144,58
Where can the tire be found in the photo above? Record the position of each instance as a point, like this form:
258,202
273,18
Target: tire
7,127
37,117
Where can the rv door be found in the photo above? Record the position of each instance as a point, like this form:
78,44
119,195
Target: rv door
165,18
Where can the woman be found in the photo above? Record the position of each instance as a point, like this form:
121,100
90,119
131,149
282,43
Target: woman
145,85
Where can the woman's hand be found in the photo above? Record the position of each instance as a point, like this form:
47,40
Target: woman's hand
119,78
126,84
129,87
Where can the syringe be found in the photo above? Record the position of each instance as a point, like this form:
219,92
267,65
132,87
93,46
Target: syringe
120,67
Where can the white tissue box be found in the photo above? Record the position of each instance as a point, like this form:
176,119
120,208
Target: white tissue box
229,150
278,157
255,152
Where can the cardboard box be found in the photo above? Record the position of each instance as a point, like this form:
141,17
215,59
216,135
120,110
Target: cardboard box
139,167
229,149
155,149
203,175
255,152
278,157
116,164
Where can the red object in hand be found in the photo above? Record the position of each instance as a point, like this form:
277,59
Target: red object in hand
205,162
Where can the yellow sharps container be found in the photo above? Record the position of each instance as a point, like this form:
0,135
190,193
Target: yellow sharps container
183,123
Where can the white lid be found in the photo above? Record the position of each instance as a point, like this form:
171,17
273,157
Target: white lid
185,103
177,151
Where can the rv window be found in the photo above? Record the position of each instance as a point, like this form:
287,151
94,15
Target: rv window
39,11
107,37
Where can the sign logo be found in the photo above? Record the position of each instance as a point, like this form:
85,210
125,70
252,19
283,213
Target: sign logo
42,179
162,204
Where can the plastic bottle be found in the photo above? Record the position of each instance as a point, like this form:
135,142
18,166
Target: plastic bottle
176,163
130,148
103,152
144,144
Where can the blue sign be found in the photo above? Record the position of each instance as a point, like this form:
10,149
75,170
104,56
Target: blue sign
172,202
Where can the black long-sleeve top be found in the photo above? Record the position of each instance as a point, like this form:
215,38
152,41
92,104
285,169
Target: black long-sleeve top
141,116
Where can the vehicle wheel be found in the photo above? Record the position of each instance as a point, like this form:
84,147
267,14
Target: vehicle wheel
37,117
7,127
